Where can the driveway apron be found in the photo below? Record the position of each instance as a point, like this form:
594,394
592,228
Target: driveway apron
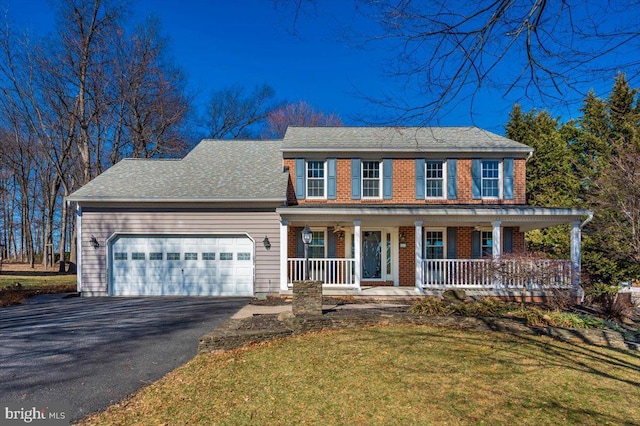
89,353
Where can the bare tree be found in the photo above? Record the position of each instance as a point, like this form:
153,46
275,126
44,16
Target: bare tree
297,114
151,100
443,52
90,91
232,114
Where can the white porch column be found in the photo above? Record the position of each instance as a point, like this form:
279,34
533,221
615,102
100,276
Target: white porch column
496,240
418,255
284,253
576,236
357,252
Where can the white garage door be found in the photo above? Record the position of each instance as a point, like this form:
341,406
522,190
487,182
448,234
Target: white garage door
182,265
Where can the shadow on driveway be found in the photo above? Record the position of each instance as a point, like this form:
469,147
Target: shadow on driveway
89,353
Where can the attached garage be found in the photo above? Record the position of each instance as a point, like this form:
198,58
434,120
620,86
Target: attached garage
181,265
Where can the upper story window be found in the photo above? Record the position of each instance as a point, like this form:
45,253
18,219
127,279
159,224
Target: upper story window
435,179
491,172
371,179
316,182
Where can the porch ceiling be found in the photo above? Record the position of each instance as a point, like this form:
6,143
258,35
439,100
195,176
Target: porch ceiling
525,217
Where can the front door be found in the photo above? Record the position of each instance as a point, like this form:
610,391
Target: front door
379,255
372,249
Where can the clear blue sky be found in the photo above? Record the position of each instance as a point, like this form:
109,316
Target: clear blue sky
218,43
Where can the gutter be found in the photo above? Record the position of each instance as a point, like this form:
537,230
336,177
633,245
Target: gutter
173,200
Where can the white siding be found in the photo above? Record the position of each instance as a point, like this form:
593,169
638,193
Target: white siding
103,225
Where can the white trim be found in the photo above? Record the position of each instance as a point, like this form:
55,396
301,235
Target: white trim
418,255
78,248
357,252
380,179
306,180
284,252
444,179
496,236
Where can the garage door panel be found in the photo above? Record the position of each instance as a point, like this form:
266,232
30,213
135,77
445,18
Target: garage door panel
182,265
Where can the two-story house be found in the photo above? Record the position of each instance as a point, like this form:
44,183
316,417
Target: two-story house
407,209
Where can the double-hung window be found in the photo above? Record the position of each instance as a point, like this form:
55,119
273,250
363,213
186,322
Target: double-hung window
371,179
490,179
317,245
316,179
434,245
486,243
435,179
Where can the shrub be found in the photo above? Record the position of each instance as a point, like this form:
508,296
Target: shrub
431,306
605,296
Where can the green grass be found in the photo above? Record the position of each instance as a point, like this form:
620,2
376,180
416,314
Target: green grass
17,286
35,280
394,375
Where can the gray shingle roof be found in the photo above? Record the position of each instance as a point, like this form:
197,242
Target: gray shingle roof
215,170
398,139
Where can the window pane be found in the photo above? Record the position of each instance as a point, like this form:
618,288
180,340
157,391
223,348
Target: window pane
490,178
244,256
316,247
226,256
155,256
434,176
371,179
208,256
191,256
119,256
487,243
173,256
137,256
434,245
315,178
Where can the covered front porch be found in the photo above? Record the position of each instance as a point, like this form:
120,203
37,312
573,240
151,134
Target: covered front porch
422,249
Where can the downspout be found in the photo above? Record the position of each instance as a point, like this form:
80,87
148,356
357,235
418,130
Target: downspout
586,221
528,157
579,257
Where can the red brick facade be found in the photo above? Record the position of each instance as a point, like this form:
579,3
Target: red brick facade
404,193
406,253
403,182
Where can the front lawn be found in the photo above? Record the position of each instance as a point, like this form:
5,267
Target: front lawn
16,286
395,375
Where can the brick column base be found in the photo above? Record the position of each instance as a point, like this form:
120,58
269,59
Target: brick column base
307,298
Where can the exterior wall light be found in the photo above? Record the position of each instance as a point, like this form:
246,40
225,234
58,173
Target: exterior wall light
267,243
94,242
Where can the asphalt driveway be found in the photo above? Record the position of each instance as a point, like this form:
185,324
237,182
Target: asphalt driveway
91,352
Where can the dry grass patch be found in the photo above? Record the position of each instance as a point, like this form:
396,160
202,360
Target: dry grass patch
394,375
16,286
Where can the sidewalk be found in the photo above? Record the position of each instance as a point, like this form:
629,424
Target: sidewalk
250,310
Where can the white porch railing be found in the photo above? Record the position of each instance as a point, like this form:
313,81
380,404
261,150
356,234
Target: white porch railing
332,272
500,273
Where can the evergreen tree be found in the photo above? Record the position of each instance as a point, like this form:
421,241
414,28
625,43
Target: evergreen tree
550,178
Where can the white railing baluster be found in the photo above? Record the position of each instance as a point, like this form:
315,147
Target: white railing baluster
332,272
487,273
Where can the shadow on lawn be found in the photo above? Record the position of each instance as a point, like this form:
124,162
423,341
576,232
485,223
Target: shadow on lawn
503,357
